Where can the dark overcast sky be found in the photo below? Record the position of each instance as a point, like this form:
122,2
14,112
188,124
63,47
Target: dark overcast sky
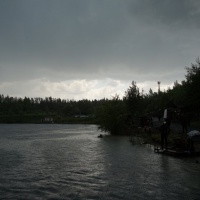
95,48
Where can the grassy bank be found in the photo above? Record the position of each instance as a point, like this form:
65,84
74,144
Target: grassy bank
176,138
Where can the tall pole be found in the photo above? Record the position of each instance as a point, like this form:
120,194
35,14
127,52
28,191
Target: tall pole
158,86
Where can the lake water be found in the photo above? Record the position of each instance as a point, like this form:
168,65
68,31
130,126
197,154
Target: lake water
52,161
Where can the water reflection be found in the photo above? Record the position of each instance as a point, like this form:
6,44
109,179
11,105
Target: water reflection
70,162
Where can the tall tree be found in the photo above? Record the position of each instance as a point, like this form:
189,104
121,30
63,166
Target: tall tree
193,85
132,98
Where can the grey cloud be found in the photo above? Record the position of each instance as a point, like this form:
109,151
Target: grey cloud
93,39
67,31
177,14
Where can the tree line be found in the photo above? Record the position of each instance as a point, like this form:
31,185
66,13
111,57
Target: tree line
28,110
112,115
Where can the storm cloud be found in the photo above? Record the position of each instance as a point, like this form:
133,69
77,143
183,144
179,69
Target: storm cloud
51,48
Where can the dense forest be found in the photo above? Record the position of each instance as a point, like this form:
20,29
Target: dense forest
48,110
112,115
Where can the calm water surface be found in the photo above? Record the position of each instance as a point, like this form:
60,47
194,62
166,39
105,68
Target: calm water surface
70,162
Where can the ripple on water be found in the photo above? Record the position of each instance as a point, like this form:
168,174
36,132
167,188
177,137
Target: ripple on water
70,162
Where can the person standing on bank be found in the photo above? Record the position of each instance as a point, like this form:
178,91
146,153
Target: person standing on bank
164,130
183,122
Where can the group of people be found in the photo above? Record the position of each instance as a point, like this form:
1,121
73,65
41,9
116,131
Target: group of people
165,130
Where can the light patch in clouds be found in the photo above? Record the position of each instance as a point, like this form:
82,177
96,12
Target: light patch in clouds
74,89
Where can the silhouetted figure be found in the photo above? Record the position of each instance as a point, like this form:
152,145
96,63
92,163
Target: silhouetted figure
148,125
183,122
164,130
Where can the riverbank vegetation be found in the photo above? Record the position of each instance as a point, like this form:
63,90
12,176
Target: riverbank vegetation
117,115
135,107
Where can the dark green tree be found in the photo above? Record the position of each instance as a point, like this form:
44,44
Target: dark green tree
111,116
133,98
193,85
